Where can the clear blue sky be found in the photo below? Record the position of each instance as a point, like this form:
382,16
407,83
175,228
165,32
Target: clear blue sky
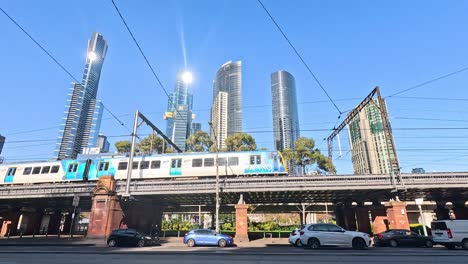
351,46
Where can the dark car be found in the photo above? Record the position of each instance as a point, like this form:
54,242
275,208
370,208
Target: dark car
207,237
129,237
402,237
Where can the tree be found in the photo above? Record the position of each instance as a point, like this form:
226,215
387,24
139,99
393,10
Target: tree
123,146
200,141
150,144
306,154
240,142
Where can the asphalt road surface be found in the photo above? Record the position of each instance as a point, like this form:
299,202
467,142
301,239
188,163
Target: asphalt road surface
207,255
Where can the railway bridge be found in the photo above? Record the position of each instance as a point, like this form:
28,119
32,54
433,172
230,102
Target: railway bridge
355,199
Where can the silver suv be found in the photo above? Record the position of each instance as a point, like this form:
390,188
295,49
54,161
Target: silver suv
315,236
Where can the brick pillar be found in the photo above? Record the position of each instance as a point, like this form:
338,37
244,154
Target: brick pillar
379,219
460,210
363,222
441,212
106,213
397,215
242,234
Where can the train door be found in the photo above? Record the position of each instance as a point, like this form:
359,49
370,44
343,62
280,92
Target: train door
102,168
176,165
10,174
71,171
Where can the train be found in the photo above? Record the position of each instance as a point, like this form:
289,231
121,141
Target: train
164,166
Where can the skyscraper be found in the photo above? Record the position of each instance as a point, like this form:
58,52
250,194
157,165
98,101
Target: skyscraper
219,119
2,142
284,108
179,112
229,79
83,112
102,144
196,127
370,152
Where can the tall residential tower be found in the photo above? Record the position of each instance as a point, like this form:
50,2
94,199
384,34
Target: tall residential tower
83,113
284,108
228,80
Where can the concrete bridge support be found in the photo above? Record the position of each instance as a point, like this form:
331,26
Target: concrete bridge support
441,212
362,219
460,210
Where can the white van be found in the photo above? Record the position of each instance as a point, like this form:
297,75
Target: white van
450,233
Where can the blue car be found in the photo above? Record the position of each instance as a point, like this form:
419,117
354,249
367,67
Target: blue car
207,237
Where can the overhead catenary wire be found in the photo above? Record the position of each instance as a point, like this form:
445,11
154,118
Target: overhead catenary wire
299,56
51,57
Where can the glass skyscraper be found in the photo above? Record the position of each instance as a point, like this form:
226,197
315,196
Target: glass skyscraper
179,123
284,108
83,113
229,79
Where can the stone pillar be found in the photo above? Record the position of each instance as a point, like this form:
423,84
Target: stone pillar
242,234
106,213
67,223
10,223
362,218
349,218
339,215
34,222
460,210
54,223
441,212
397,215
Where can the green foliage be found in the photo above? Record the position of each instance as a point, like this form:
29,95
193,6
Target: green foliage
200,141
306,154
228,227
150,144
123,146
240,142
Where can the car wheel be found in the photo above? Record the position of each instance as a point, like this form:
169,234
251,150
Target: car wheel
191,243
313,243
112,243
428,244
141,243
465,243
298,243
393,243
222,243
359,243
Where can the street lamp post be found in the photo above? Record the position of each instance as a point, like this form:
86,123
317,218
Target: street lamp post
217,178
419,202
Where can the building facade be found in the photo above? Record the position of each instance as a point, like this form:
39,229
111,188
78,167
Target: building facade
219,120
103,144
83,113
284,109
229,80
179,114
196,127
371,151
2,142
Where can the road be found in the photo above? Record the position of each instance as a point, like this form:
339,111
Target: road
207,255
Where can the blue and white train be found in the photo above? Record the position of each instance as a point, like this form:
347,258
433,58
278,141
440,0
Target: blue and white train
181,165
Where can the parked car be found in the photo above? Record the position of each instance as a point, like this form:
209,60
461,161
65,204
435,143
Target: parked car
129,237
402,237
317,235
450,233
295,237
207,237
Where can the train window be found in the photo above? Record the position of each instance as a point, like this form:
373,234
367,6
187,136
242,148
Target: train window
197,162
144,164
209,162
135,165
71,168
176,163
255,159
45,170
55,169
156,164
11,171
222,162
27,171
233,161
36,170
103,166
122,166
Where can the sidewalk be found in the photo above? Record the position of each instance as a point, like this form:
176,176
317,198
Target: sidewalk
51,241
